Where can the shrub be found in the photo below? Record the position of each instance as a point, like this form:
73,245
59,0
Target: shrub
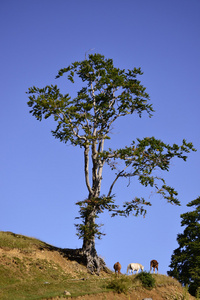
119,284
146,279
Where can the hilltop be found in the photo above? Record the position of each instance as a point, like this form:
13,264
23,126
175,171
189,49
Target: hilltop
32,269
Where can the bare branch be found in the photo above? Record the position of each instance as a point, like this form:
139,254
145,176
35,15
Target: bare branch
87,52
116,178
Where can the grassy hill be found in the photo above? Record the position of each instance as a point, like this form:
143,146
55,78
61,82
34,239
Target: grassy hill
31,269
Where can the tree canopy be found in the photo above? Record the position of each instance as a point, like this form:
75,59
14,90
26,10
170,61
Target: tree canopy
107,94
185,261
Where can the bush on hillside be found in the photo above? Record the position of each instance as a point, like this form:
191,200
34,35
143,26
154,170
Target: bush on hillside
119,284
146,279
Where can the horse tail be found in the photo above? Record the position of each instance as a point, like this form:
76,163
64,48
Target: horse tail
128,268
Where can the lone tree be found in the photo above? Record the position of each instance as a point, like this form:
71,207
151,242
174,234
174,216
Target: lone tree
107,94
185,261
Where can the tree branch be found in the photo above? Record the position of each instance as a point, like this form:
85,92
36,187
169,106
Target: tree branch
63,118
115,180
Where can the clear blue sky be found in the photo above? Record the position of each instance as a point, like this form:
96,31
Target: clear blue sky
41,178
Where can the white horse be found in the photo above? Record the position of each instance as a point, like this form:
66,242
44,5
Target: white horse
134,267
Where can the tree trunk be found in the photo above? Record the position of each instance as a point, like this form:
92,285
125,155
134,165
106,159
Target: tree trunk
93,261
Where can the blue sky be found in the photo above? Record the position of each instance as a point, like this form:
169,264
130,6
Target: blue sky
41,178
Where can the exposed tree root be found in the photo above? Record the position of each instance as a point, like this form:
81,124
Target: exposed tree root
91,260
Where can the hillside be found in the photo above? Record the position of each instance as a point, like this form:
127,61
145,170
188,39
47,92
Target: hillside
32,269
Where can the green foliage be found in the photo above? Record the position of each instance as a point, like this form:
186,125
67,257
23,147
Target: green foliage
185,261
108,93
147,280
198,293
86,120
91,229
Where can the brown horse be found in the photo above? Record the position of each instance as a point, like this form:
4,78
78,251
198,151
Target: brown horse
117,267
154,265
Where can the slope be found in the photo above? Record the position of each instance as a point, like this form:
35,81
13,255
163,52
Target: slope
31,269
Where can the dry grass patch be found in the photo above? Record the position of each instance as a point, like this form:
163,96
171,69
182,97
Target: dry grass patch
164,280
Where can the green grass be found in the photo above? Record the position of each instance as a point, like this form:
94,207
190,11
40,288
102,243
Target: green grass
23,276
40,289
9,240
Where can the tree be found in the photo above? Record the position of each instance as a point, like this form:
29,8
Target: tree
107,94
185,261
